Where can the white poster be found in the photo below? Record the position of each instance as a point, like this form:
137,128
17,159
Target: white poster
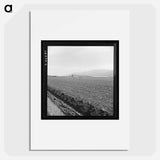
79,80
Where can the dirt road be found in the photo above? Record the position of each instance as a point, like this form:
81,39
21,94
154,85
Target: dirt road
52,109
57,107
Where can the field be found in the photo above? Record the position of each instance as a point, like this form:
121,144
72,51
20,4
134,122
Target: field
89,96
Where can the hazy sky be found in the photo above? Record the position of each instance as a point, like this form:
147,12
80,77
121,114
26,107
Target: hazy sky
65,60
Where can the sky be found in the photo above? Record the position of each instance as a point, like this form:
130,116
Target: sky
65,60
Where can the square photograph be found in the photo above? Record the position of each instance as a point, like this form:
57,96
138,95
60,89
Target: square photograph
79,80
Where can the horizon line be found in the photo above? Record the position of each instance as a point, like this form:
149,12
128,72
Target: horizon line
77,73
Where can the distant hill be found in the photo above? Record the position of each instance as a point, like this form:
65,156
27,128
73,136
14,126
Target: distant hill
95,73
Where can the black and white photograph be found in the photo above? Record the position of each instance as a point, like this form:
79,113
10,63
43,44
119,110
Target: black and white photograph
79,80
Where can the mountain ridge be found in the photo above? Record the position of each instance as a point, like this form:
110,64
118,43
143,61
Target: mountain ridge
95,73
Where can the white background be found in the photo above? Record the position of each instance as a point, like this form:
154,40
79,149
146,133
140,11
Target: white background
144,38
79,134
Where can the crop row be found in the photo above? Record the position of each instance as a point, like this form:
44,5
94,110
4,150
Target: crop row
83,107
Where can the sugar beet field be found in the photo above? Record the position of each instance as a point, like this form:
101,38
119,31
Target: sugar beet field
89,96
